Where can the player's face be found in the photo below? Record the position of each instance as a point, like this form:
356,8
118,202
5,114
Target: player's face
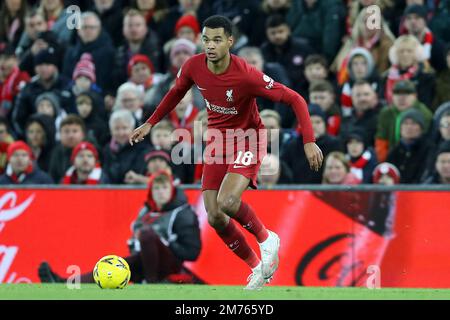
443,165
217,44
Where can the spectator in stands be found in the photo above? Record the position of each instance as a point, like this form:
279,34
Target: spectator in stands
181,50
322,93
184,114
440,24
83,76
273,171
156,160
294,155
362,158
12,80
337,170
416,25
165,234
411,152
94,40
276,138
377,41
12,20
285,49
72,132
130,97
409,63
386,174
56,19
364,111
43,41
138,39
88,108
142,72
155,13
111,16
47,79
161,135
5,140
48,103
34,25
360,66
321,22
21,169
442,166
119,156
187,27
388,130
276,71
443,83
40,136
316,69
85,167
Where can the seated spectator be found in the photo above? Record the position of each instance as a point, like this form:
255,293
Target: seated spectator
362,158
84,78
142,73
276,136
155,13
48,103
43,41
316,69
364,112
184,114
322,93
320,22
360,66
130,97
388,132
72,131
294,154
376,40
411,152
156,160
89,110
34,25
139,39
47,79
337,170
111,16
95,41
386,174
12,80
409,63
443,83
273,171
161,135
56,19
442,166
181,50
5,140
40,136
415,24
253,56
85,167
187,27
21,169
119,156
285,49
12,17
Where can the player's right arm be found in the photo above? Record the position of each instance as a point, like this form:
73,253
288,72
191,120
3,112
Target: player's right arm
182,84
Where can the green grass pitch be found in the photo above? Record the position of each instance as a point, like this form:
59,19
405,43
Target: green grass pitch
205,292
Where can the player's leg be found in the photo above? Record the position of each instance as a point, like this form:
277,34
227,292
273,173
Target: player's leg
229,201
227,230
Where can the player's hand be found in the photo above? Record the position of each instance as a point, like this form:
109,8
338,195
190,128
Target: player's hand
139,133
314,156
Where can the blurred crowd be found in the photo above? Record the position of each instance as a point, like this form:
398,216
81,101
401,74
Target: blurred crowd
72,90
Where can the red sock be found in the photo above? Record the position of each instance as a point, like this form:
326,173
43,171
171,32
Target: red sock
235,241
250,221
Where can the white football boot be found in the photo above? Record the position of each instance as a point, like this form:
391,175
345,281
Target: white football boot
256,280
269,255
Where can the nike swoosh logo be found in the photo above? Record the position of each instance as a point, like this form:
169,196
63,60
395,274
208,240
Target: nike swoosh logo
200,88
238,167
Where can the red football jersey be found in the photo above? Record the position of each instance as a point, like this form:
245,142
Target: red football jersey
230,97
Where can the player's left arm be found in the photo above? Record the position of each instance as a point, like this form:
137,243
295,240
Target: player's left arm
262,85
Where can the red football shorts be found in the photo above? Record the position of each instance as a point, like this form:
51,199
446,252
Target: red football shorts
241,158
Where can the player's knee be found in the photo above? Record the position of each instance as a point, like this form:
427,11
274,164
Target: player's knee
217,220
228,204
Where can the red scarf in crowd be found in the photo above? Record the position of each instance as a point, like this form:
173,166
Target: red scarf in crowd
19,178
394,75
359,164
15,81
71,176
346,100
